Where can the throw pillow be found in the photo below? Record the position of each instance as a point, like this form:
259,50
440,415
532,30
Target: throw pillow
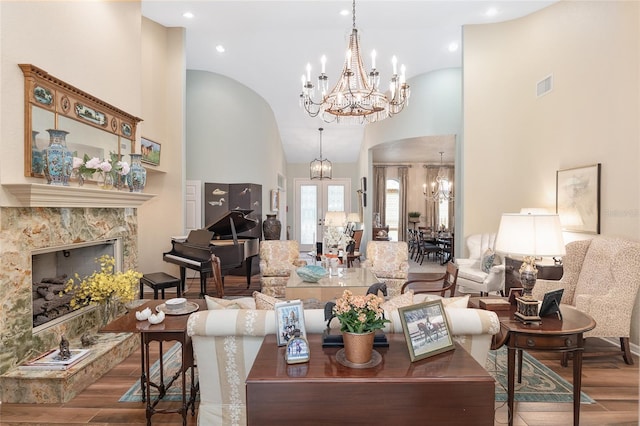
400,301
264,302
487,260
217,303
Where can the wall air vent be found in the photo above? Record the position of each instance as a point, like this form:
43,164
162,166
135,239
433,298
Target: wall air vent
544,86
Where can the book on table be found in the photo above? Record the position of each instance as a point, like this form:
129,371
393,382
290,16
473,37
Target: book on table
51,360
495,304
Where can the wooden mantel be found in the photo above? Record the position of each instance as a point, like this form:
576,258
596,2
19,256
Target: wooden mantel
44,195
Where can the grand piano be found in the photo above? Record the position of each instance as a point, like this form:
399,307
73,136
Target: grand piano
219,238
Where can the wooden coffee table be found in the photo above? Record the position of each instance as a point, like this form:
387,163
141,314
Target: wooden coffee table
358,280
446,389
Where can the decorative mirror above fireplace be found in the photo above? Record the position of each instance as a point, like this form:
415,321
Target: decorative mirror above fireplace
95,127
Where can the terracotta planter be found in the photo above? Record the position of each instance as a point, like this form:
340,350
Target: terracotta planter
358,346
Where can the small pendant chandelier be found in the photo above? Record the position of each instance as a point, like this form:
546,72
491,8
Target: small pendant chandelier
441,188
320,168
356,98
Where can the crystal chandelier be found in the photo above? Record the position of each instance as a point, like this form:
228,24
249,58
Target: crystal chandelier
320,168
356,98
441,188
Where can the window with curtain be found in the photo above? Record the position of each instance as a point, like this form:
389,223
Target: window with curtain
392,208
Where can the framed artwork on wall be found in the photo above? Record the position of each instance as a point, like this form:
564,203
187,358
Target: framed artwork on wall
275,200
578,198
150,151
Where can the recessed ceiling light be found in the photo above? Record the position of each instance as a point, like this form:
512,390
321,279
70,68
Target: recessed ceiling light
344,12
188,15
453,46
220,48
492,11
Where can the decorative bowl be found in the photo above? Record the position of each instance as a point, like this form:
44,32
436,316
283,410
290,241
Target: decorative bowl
311,273
176,304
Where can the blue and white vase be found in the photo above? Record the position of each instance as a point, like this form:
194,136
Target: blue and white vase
58,160
137,177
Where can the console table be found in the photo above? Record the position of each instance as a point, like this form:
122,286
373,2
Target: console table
546,271
446,389
553,335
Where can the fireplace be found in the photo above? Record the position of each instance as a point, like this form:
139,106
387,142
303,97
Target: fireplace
51,270
28,232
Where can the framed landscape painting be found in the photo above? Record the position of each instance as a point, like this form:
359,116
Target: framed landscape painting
578,199
150,151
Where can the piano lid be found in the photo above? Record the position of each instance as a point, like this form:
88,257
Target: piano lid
222,225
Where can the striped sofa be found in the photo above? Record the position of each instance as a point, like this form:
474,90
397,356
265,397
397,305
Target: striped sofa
226,342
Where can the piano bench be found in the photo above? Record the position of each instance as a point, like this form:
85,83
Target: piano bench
160,281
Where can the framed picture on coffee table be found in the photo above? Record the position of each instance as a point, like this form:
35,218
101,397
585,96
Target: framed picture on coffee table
289,319
426,329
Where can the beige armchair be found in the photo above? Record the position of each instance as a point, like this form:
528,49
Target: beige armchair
601,278
389,262
278,259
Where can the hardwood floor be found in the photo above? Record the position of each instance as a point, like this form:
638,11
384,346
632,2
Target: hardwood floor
613,384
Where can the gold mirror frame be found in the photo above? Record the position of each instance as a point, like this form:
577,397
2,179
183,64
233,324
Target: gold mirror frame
63,102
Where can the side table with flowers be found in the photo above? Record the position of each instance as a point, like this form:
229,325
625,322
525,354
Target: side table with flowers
360,317
108,289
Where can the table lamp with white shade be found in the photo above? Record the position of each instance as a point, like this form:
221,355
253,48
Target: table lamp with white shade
531,236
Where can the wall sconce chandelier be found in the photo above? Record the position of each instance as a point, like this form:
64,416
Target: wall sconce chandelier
441,188
320,168
356,98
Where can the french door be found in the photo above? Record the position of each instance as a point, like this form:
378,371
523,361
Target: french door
312,199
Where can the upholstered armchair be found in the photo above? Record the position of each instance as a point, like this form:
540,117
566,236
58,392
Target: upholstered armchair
601,279
471,276
278,259
389,262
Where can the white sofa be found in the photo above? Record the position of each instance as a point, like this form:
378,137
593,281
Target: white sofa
226,342
471,277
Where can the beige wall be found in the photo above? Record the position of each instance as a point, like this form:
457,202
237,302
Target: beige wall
514,142
163,103
91,45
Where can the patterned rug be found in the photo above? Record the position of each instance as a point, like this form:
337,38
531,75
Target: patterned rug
171,360
539,383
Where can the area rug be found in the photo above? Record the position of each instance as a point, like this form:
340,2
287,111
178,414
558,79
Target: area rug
539,383
171,360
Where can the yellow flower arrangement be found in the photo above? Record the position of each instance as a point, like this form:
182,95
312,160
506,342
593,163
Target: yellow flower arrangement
104,286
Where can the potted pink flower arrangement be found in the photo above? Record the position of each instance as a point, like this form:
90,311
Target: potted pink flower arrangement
360,317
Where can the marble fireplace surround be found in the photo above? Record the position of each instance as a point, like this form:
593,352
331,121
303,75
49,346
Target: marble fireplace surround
27,229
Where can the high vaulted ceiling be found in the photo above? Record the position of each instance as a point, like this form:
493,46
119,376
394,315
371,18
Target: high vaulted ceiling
269,43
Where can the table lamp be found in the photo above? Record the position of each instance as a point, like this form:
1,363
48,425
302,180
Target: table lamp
531,236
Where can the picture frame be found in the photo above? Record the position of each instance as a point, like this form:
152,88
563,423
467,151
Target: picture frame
150,151
274,200
513,293
551,303
289,318
578,198
426,329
